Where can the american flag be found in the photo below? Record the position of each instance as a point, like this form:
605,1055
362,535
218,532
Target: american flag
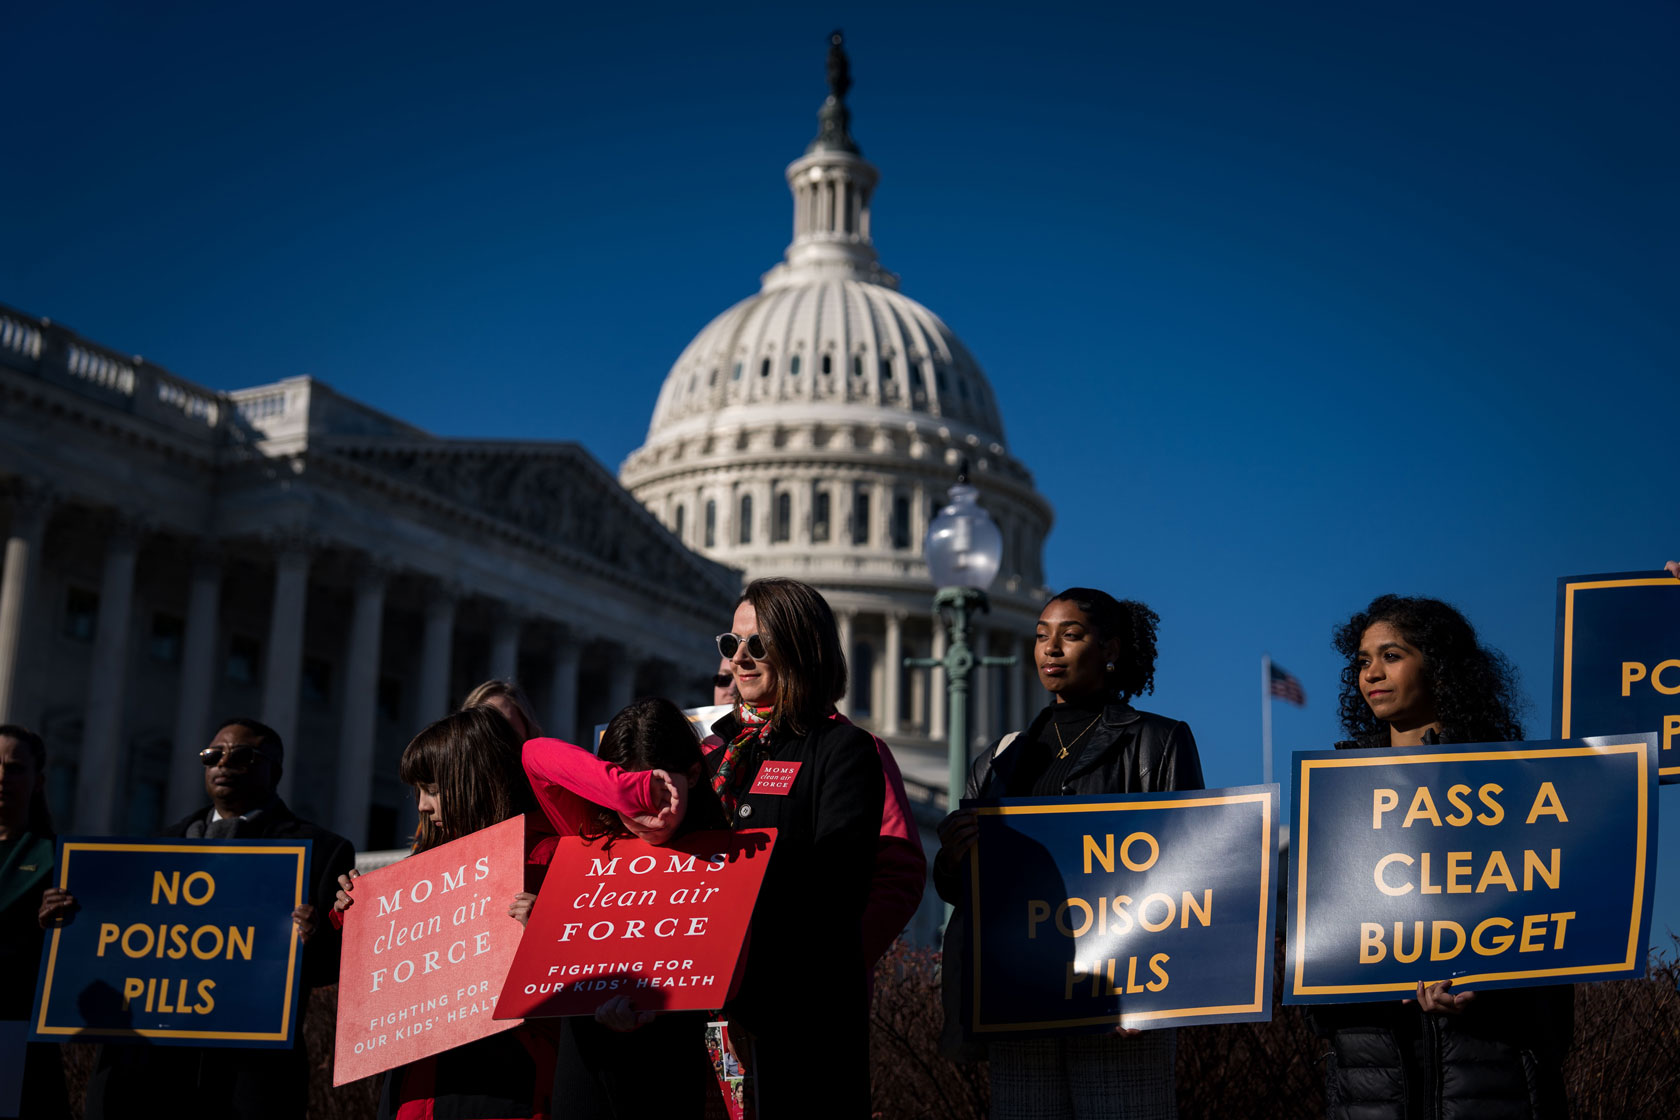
1286,687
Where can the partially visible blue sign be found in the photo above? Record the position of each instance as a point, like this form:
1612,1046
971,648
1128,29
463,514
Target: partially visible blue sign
1492,865
1141,910
177,942
1616,664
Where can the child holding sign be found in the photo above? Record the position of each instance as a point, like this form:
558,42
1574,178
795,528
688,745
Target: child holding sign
466,776
1417,675
645,783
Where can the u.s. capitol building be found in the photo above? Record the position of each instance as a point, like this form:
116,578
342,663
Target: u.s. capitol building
176,554
812,430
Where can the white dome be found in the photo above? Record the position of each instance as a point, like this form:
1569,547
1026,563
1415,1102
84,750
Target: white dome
827,342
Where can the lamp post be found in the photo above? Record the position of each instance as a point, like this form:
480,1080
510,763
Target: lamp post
963,550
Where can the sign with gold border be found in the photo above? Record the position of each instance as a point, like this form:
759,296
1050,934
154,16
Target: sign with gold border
1616,662
1492,865
175,942
1135,911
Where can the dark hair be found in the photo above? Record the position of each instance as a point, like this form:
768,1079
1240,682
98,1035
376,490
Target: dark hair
268,739
1126,621
473,758
802,644
39,820
653,734
490,689
1473,687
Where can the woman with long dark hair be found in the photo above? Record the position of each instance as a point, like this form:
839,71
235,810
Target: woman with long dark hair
1094,654
645,783
803,1003
466,776
1416,674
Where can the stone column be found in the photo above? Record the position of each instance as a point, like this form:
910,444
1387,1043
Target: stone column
892,673
843,621
880,497
101,769
31,506
621,682
981,731
360,710
283,667
437,641
504,645
198,683
563,689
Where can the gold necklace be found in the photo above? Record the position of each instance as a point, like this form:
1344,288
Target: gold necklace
1069,746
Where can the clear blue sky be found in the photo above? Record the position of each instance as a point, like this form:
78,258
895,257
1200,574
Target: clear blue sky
1285,305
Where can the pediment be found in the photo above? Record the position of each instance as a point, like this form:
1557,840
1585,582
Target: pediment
554,492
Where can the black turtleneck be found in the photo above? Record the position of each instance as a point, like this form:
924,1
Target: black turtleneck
1043,770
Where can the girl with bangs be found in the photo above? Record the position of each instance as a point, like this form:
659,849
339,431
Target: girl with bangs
466,776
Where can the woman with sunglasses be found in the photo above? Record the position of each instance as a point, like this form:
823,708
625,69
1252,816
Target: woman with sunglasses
1416,674
803,1001
1094,654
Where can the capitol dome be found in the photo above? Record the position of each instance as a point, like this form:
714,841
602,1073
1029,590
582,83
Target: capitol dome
813,429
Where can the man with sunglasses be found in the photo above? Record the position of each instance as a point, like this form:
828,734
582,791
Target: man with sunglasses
242,768
723,684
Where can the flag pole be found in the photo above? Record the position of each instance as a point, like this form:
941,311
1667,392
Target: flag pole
1266,718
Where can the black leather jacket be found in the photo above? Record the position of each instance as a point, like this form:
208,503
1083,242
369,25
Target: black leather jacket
1128,752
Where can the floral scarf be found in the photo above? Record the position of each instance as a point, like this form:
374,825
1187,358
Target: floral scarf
730,780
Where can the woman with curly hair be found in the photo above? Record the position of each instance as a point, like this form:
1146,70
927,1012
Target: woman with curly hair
1417,675
1094,653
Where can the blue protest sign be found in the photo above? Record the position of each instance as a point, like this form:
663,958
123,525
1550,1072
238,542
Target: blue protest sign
177,942
1143,910
1491,865
1616,662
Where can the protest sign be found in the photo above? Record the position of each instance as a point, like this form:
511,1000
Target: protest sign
1616,663
179,942
1491,865
426,947
1146,910
662,925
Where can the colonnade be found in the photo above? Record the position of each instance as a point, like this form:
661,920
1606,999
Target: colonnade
295,566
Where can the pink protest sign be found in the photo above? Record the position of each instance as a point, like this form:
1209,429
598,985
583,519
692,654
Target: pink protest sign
426,948
664,926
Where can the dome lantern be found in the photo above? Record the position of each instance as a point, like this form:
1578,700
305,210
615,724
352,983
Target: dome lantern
832,186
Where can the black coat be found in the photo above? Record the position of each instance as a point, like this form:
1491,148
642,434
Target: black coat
232,1082
1500,1059
804,994
330,855
1128,752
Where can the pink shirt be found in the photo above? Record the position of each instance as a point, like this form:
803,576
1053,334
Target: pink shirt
570,783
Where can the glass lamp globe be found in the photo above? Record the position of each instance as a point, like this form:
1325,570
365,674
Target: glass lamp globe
964,547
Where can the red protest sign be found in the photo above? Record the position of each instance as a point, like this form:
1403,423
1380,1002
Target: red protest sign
426,947
664,926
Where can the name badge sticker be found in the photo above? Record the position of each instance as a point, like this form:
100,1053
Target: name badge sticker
775,777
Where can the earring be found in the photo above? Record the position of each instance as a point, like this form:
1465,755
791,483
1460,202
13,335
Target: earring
1109,667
